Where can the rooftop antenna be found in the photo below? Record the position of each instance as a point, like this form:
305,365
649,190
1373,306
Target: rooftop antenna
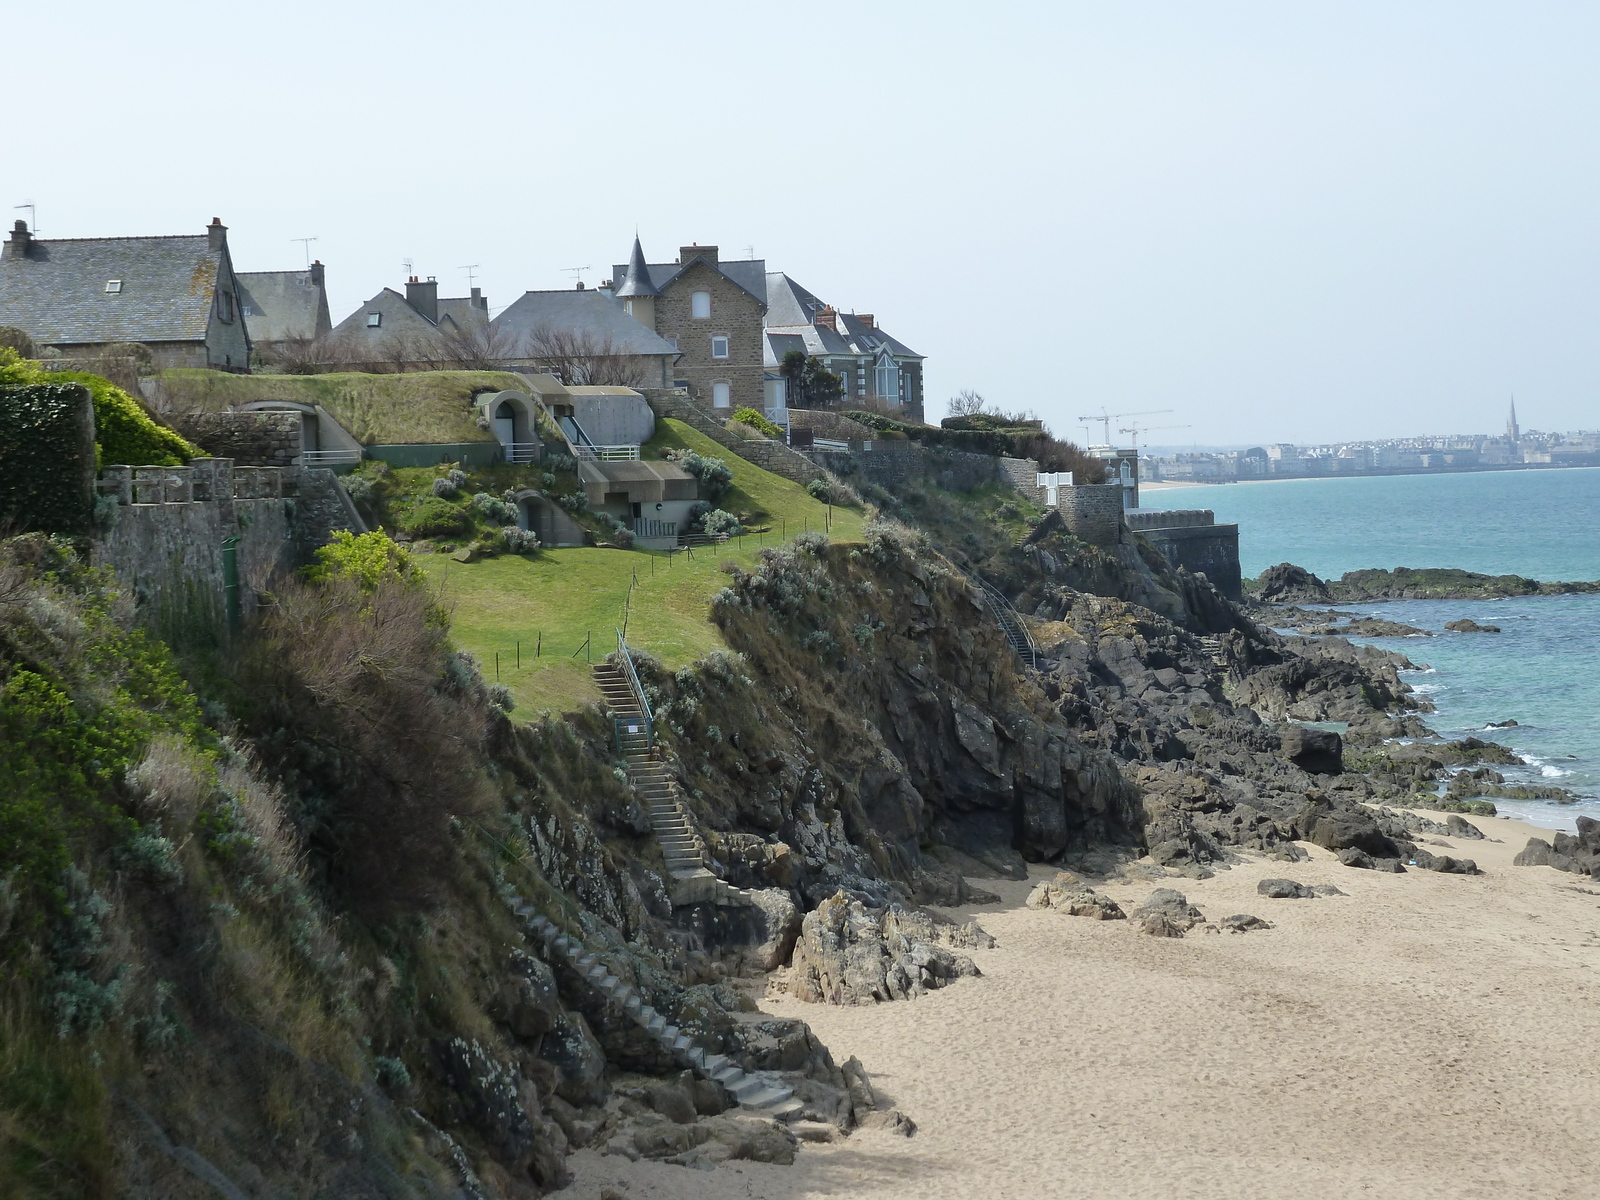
306,245
33,216
407,264
1106,418
576,271
749,251
469,269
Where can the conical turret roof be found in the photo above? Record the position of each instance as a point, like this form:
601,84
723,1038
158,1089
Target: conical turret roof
637,282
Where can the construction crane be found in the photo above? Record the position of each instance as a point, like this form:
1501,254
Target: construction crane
1106,418
1136,429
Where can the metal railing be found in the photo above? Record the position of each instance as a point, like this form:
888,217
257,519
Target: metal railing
830,444
606,453
521,452
649,527
637,687
321,458
1011,622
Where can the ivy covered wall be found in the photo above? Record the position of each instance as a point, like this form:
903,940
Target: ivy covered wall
47,457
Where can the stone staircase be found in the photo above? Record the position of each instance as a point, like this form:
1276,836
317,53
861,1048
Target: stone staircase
1212,644
752,1090
691,878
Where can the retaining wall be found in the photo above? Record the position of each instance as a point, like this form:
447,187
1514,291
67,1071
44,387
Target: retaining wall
769,455
1093,512
251,439
1205,549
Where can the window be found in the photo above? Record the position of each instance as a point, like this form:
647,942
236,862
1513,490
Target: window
720,397
673,342
225,305
374,320
247,310
113,286
888,383
719,347
700,306
627,307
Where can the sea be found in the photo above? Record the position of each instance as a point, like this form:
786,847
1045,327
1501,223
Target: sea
1542,670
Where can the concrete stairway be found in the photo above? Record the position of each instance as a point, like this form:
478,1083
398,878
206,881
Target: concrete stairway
751,1090
690,877
1213,646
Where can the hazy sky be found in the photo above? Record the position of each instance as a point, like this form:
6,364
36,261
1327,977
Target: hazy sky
1282,220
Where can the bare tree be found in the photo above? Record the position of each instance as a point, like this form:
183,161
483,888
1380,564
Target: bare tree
582,359
966,403
476,347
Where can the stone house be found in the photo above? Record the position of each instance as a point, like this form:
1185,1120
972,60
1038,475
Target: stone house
586,337
878,370
420,328
283,308
178,295
710,311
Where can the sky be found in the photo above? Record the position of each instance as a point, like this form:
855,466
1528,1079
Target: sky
1282,221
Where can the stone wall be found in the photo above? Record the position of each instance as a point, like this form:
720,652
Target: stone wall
735,315
251,439
1093,512
1190,538
769,455
1023,474
833,425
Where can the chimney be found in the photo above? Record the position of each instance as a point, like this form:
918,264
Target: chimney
316,273
424,297
478,300
216,234
580,285
21,239
828,317
867,319
688,253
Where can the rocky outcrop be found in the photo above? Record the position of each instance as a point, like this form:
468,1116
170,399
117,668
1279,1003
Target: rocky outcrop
1578,853
1289,584
1167,913
1317,751
850,954
1467,625
1070,895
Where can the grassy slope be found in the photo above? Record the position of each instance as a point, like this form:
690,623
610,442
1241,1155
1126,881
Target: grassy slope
568,594
425,406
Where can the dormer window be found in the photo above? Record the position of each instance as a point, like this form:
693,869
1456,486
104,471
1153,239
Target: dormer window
113,286
374,320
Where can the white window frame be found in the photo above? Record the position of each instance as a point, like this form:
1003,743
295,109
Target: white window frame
374,320
726,394
113,286
627,307
697,301
723,339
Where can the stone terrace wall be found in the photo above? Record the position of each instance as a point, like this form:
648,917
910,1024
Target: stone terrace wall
1093,512
251,439
1175,518
830,425
769,455
1023,474
1192,539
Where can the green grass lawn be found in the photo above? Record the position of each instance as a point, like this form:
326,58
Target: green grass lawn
564,596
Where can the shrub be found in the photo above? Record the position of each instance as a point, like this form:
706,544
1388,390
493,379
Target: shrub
520,541
834,491
493,508
367,559
574,502
19,340
714,476
718,523
754,419
358,489
445,490
123,431
434,516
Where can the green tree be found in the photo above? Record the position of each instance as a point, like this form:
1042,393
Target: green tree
812,384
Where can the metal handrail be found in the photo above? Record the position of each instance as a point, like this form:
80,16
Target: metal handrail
618,453
1005,607
521,452
637,687
313,457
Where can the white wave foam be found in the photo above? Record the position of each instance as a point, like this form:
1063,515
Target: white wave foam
1550,772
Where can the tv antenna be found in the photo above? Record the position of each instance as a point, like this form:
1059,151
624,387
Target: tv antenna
1106,418
576,272
749,251
1136,429
470,268
306,245
33,219
407,264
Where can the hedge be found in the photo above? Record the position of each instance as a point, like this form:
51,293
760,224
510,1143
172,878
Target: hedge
47,463
124,432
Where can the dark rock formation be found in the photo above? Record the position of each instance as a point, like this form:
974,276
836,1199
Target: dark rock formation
1285,889
1467,625
1289,584
1319,751
1579,853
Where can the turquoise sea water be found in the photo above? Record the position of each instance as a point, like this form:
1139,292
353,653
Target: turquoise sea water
1543,669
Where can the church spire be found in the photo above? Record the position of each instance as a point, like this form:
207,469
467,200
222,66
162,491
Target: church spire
1512,432
637,281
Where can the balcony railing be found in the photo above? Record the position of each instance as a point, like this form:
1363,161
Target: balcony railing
830,444
521,452
326,458
649,527
607,453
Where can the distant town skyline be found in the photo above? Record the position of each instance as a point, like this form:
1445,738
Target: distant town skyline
1364,220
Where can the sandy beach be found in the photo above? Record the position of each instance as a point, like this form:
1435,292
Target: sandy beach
1425,1035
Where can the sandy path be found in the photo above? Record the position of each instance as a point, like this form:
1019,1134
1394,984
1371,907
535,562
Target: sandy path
1424,1036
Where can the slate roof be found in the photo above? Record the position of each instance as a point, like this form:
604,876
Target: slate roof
58,292
587,312
637,281
398,318
777,345
748,273
462,311
792,310
282,305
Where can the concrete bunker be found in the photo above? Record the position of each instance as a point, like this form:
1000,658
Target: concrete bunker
551,523
511,418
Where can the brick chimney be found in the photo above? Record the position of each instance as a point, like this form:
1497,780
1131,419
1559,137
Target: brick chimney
868,320
316,273
424,297
688,253
216,234
479,300
828,317
21,239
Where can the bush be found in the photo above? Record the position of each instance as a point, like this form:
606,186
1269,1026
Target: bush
357,488
434,516
494,509
520,541
19,340
574,502
124,432
445,490
834,491
718,523
714,476
366,559
752,418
